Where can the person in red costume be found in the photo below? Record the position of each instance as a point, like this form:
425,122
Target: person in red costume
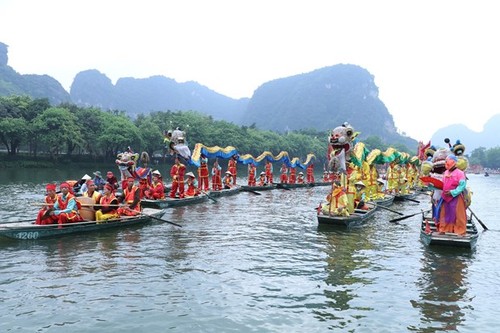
192,185
156,190
131,198
66,207
177,173
310,173
231,167
252,169
269,172
203,174
292,178
44,216
216,176
283,174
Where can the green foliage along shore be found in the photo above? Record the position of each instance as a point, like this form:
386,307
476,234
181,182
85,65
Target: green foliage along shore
35,132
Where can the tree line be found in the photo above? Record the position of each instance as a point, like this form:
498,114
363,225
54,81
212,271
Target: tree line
35,127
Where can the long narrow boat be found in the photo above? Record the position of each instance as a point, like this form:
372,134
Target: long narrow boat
258,188
386,201
321,184
290,186
225,192
430,236
29,231
173,202
358,217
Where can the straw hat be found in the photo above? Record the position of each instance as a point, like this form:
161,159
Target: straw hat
360,183
190,174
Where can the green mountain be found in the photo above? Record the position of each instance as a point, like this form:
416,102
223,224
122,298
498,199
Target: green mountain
36,86
320,100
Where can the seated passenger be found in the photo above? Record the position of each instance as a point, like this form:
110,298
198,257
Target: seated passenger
191,185
44,216
108,205
156,190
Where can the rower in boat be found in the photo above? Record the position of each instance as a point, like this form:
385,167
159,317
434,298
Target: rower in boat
50,199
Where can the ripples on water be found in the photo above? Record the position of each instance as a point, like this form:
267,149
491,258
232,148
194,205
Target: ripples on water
248,263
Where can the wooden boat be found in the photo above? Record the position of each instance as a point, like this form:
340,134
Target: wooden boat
290,186
225,192
173,202
429,235
358,217
386,201
30,231
258,188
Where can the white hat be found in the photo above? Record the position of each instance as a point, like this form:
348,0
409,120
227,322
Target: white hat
190,174
380,180
86,177
360,183
301,173
229,173
156,172
262,173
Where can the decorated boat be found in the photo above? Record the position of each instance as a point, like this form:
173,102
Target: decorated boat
225,192
358,217
430,236
173,202
29,230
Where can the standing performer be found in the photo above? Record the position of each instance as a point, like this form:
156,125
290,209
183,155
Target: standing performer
216,176
203,174
269,172
452,208
231,167
293,176
177,173
252,169
283,174
310,173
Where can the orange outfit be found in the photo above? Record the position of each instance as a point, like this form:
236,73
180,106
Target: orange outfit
203,175
177,173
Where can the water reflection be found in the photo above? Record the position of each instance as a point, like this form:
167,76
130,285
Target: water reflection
443,287
345,260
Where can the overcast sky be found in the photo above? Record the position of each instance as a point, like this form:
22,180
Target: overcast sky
436,62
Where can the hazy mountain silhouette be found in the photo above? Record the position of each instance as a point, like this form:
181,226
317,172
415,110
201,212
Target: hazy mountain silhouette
487,138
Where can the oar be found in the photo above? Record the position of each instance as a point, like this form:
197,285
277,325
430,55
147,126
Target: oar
383,207
252,191
19,221
408,216
209,196
409,199
162,220
478,220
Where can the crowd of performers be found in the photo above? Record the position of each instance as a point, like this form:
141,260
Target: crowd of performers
441,172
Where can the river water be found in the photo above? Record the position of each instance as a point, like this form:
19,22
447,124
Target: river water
248,263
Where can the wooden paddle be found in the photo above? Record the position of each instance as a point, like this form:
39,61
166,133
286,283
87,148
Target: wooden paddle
408,216
254,192
409,199
478,220
209,196
383,207
162,220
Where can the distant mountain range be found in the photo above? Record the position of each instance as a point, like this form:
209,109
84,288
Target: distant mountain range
320,100
487,138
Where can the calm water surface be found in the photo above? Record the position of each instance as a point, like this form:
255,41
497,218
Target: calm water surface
247,263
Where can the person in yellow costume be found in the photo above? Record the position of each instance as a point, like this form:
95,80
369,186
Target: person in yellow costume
336,201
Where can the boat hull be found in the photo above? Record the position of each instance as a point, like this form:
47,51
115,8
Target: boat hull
433,238
357,218
31,231
225,192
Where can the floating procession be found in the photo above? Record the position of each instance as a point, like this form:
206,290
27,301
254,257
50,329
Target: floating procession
356,182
